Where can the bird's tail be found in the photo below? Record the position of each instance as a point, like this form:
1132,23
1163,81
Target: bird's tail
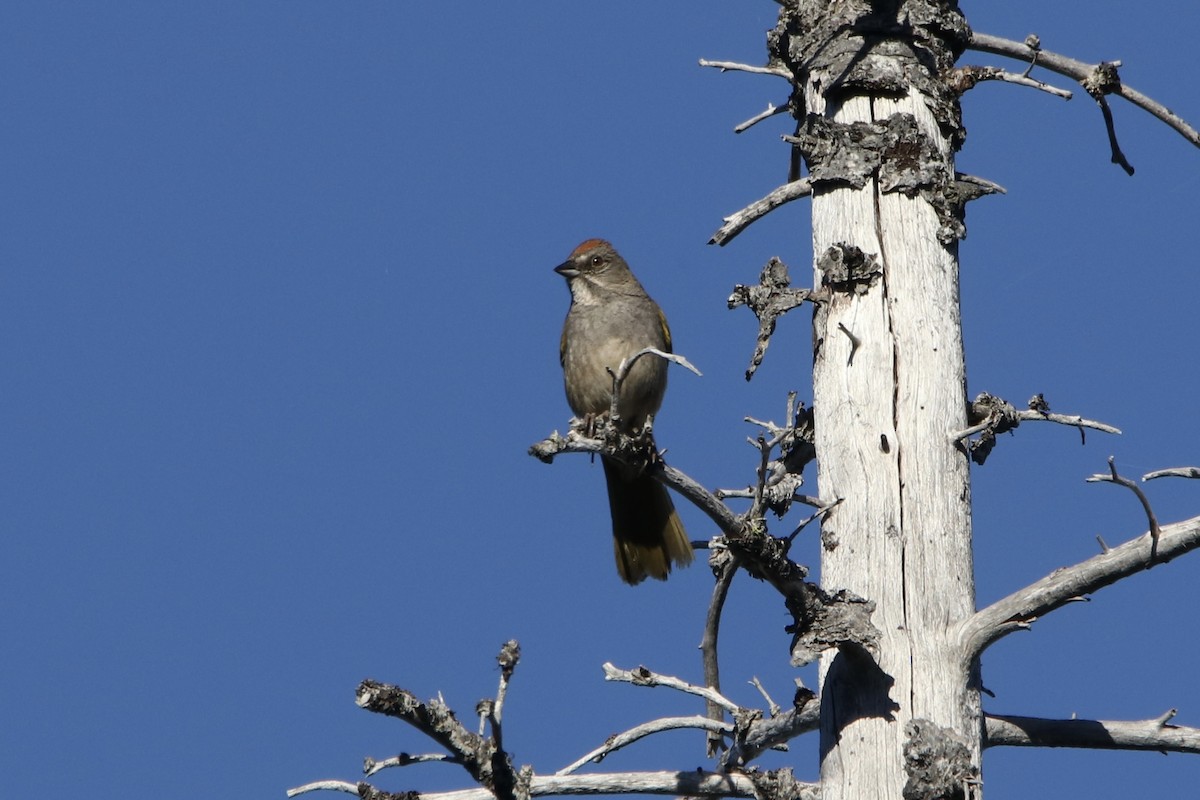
647,533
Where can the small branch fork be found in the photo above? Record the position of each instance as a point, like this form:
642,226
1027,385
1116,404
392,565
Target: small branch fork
738,221
622,372
1099,80
990,416
1113,477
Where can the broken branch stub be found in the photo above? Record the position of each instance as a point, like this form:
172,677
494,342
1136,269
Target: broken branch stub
937,762
770,299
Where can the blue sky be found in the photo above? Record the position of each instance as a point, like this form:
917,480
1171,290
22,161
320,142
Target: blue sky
278,323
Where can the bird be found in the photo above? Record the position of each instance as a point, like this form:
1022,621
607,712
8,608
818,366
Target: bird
610,319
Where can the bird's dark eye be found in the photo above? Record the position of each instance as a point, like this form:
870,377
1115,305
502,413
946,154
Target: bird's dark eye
597,261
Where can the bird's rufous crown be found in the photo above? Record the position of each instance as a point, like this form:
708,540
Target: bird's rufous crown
590,244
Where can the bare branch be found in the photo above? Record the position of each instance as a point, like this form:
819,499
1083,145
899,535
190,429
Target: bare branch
433,718
992,416
617,741
1082,71
771,110
510,654
725,565
1173,472
1113,477
692,783
726,66
1151,734
1064,585
619,446
738,221
965,78
324,786
644,677
762,473
1110,128
371,766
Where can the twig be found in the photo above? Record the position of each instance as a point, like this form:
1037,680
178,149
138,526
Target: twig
820,512
1035,46
622,372
644,677
763,471
1110,128
771,704
1082,71
803,717
738,221
617,741
726,66
1113,477
1062,586
1034,416
965,78
371,766
1173,472
748,494
725,568
770,111
996,416
510,654
324,786
1151,734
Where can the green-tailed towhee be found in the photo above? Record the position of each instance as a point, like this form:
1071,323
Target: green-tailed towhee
611,318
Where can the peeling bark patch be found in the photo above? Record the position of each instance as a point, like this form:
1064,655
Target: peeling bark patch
846,268
1000,416
938,763
780,784
829,539
368,792
824,620
894,150
1103,80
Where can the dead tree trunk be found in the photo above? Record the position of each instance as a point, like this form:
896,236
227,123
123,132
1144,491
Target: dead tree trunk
878,134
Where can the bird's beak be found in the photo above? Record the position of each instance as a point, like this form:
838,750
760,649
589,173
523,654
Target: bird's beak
567,269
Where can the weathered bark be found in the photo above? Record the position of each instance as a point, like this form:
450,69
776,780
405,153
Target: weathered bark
889,389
